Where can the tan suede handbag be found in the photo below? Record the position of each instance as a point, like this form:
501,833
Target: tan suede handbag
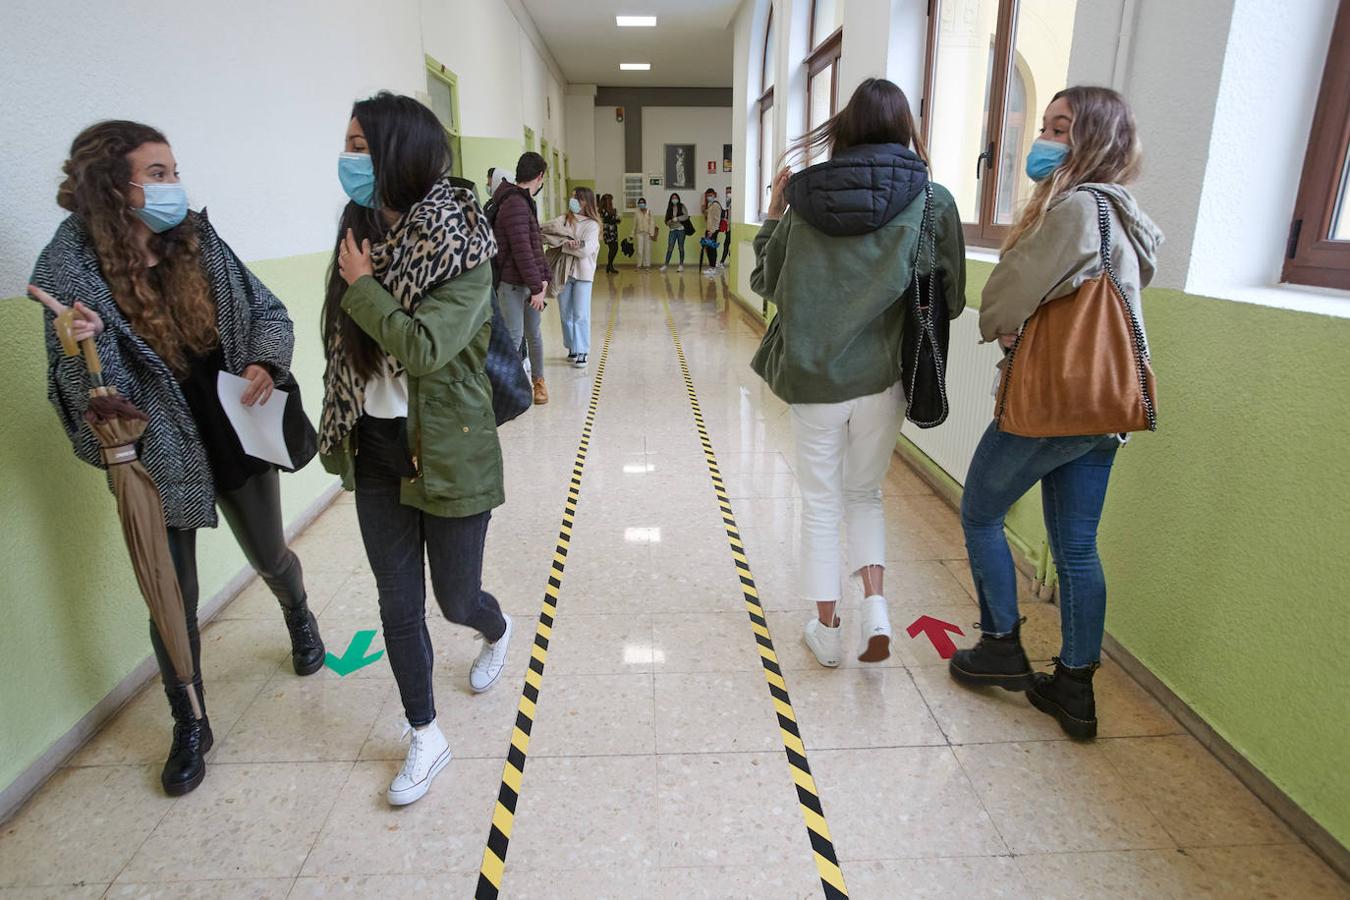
1080,365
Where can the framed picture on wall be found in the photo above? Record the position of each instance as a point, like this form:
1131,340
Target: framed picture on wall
726,157
680,165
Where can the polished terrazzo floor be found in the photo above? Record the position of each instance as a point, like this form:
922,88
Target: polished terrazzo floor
656,767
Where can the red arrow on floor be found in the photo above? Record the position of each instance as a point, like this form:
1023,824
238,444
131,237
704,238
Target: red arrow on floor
936,629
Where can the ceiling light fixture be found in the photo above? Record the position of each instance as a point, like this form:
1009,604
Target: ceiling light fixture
634,67
635,21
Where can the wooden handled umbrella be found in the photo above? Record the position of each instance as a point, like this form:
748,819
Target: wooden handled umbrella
118,425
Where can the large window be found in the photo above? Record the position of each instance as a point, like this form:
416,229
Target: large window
822,63
1319,238
443,98
765,164
993,65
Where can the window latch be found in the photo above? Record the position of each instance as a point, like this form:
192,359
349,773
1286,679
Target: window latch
986,157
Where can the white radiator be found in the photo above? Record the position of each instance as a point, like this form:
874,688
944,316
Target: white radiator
970,400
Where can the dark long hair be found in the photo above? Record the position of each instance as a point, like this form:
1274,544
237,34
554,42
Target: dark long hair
171,308
409,152
671,204
877,113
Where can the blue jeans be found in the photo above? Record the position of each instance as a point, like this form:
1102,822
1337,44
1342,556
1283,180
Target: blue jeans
1073,472
675,237
574,309
399,541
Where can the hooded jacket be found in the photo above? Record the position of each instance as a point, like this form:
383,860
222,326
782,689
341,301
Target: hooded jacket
519,247
1063,252
836,266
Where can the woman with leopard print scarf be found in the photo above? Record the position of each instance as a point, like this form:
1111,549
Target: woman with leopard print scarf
406,326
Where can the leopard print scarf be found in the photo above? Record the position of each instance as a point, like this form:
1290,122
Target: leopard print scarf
444,235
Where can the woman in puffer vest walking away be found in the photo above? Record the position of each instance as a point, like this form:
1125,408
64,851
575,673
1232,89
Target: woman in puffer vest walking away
836,255
1088,147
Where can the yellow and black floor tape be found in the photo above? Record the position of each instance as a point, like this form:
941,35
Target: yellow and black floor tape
504,813
808,798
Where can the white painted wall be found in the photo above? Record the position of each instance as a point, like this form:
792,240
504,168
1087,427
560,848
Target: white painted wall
609,154
481,41
708,128
580,133
256,122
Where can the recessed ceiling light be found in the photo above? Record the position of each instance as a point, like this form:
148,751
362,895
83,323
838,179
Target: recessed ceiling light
635,21
634,67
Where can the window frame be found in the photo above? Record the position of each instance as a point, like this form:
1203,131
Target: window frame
984,232
1312,257
440,72
827,54
811,31
763,105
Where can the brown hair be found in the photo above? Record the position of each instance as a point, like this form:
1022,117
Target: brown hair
607,204
586,196
172,308
1103,148
877,113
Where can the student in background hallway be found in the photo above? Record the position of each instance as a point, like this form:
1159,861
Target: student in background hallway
577,234
406,320
644,233
520,255
169,307
726,229
677,222
712,229
836,263
609,219
1087,139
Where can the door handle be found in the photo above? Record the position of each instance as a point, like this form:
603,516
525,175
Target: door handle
986,157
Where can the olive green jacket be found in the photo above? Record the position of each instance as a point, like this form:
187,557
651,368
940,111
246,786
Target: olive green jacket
451,427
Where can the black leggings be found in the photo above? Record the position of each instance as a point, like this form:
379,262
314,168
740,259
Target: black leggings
710,253
613,252
253,513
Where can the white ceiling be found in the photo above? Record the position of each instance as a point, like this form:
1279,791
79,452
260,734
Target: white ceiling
691,45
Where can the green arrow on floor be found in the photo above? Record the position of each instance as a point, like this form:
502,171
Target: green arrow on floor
355,657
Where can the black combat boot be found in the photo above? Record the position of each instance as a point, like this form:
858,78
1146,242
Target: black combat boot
192,739
994,662
307,652
1067,695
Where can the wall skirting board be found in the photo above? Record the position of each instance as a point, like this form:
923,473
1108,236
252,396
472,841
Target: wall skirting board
1322,842
13,796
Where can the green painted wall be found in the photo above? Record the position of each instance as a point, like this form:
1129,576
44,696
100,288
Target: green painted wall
75,621
478,154
1224,535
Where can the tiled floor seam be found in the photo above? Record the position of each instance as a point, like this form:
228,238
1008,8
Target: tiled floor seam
808,795
508,797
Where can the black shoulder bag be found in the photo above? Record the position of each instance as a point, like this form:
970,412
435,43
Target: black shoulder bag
512,393
923,342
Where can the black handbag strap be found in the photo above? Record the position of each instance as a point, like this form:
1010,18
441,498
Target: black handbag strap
1136,330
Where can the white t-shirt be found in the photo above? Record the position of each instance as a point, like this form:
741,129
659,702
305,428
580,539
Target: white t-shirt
387,396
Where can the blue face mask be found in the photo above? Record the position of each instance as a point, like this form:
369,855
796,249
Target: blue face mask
574,205
1044,158
165,206
357,174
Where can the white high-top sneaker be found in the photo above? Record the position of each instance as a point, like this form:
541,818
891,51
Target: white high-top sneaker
825,642
487,668
428,753
876,629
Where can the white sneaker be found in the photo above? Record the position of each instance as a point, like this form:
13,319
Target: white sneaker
710,273
680,269
876,629
487,668
427,755
825,642
663,268
580,361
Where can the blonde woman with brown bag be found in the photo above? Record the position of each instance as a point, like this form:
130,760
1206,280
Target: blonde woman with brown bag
1079,226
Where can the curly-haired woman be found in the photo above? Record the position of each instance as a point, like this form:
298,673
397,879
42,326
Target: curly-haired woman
170,307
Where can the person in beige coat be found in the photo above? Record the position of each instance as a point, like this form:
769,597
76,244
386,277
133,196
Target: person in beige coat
644,234
583,220
712,224
1087,152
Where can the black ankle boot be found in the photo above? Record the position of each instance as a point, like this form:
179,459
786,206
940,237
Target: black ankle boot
192,739
1067,695
994,662
307,652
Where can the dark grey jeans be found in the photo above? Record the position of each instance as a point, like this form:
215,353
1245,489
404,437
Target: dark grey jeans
253,513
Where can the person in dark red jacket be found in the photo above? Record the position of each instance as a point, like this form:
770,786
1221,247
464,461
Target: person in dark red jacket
520,251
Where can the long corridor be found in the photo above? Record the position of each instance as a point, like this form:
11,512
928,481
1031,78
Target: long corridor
672,742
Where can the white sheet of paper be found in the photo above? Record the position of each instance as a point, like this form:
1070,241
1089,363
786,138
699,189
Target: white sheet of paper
259,425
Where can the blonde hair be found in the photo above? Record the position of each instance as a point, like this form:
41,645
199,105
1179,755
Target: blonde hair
1103,148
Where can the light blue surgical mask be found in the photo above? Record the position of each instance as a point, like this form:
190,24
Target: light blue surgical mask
1044,158
356,171
165,206
574,205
